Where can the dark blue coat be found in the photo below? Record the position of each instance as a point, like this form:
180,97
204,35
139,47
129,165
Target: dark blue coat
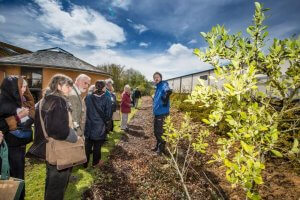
159,107
98,112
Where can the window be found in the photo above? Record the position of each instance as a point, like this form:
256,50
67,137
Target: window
35,80
204,77
33,77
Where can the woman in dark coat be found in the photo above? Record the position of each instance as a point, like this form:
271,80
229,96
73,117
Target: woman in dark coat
98,115
55,114
16,118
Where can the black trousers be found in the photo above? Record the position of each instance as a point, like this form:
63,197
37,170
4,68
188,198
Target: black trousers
93,146
16,158
56,182
159,129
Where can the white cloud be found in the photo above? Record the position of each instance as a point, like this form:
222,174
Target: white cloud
124,4
30,41
178,49
81,26
175,61
144,44
193,41
2,19
140,28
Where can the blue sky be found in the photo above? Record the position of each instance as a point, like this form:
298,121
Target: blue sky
147,35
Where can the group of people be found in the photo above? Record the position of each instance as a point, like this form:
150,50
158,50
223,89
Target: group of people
66,115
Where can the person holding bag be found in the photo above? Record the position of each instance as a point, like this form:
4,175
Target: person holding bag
53,123
16,117
98,116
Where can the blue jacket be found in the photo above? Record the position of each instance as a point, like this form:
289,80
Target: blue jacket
159,108
113,100
95,127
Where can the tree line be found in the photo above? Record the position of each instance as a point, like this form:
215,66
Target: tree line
122,76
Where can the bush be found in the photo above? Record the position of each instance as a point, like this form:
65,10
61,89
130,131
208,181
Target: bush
250,121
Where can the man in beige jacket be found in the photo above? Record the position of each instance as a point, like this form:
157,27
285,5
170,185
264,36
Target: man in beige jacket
80,86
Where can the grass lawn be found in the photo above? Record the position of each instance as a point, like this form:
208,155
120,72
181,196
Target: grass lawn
35,171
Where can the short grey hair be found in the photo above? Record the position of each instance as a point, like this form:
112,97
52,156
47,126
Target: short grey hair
109,80
81,77
91,88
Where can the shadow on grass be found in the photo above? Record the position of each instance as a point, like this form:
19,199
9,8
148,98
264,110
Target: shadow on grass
80,180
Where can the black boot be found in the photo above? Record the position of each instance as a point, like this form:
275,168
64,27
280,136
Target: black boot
155,148
161,149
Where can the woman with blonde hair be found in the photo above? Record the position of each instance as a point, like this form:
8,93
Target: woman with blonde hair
125,107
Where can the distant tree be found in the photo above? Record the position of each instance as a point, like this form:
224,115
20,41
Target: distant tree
121,77
117,72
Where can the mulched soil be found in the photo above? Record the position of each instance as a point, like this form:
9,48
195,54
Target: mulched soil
133,171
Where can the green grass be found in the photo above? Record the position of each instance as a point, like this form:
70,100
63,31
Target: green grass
35,171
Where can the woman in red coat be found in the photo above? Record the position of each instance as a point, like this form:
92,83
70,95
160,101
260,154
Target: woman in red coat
125,107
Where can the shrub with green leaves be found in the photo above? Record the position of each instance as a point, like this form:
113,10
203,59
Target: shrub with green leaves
183,144
254,121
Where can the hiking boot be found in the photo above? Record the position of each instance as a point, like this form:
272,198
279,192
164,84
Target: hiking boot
155,148
161,149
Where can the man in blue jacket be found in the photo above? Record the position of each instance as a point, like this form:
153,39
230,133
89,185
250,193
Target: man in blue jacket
161,109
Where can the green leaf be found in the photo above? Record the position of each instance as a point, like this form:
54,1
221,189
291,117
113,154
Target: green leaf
276,153
295,148
197,52
257,6
258,180
227,163
265,34
243,115
248,148
206,121
203,34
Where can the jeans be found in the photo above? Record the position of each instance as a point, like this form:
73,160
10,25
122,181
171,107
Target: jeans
95,147
16,157
124,121
56,182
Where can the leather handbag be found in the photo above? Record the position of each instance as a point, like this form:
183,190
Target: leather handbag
61,153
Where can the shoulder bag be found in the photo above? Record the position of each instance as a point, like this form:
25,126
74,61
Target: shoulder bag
61,153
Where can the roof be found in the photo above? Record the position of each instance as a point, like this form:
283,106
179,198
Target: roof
10,50
190,74
51,58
